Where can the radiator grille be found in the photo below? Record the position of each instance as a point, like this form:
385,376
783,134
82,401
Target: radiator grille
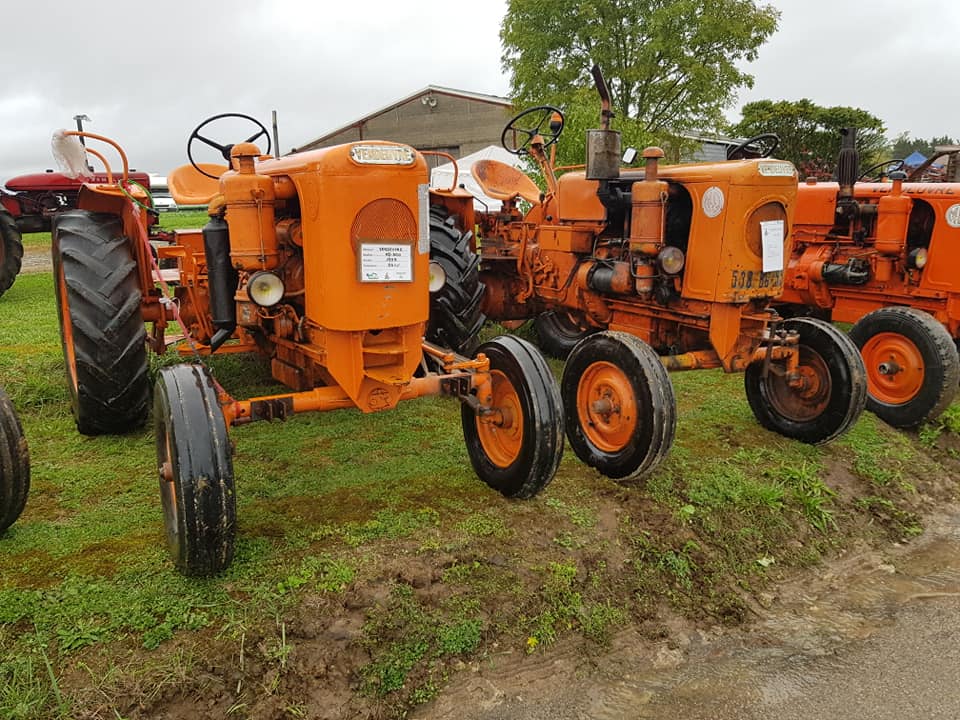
384,219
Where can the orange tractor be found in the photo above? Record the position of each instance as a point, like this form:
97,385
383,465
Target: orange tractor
318,261
14,465
634,273
884,256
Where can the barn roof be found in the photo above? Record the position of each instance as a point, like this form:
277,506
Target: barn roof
428,90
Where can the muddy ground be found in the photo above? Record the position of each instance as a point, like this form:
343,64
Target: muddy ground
666,661
592,600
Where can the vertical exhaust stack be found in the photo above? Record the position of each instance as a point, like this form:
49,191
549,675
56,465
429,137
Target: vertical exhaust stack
603,145
848,167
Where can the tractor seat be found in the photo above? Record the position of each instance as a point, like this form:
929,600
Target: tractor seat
504,182
189,187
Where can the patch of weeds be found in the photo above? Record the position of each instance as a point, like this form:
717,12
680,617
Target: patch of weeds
278,649
599,620
811,494
405,636
679,564
563,605
321,572
582,517
878,456
729,487
949,421
569,541
84,632
460,572
28,690
483,525
390,524
951,418
903,522
459,638
424,693
686,514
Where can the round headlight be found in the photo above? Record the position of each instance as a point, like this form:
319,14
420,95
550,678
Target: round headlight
265,288
438,276
671,259
917,258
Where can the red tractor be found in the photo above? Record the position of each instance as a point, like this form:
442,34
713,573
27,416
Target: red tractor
27,205
884,256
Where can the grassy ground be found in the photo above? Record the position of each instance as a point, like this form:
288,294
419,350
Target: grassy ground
372,563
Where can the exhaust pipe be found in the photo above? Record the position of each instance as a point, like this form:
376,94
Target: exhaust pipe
222,280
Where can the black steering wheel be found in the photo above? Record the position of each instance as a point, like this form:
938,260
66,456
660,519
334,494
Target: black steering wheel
543,115
224,149
890,165
770,142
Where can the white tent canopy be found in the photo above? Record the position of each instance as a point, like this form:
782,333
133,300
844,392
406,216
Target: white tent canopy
442,175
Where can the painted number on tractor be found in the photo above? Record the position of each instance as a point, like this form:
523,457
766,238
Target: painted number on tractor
751,279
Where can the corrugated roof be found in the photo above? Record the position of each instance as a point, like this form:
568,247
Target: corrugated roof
429,89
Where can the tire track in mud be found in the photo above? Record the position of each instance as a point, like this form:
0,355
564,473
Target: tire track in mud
810,638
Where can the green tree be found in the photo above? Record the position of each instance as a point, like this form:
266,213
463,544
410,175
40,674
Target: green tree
904,145
810,133
672,65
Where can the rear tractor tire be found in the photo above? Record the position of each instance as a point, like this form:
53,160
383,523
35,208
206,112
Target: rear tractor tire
516,446
11,251
14,465
455,315
559,332
196,471
101,326
912,365
832,393
620,405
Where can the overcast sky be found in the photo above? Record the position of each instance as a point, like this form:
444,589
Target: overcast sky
148,73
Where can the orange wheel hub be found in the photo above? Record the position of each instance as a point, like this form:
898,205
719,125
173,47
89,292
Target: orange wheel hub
806,395
606,406
501,431
895,369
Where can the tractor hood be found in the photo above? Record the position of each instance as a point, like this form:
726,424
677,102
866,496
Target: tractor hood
58,182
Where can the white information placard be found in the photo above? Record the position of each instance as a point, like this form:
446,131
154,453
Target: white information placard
771,238
386,262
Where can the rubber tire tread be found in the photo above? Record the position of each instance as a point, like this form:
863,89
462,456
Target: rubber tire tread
14,465
542,444
455,309
847,373
112,393
939,353
12,251
187,411
555,336
655,397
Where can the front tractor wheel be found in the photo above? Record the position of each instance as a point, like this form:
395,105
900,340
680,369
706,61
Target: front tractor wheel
515,445
621,410
196,471
912,365
101,326
14,465
824,399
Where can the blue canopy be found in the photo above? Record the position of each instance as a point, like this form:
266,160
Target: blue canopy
914,159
